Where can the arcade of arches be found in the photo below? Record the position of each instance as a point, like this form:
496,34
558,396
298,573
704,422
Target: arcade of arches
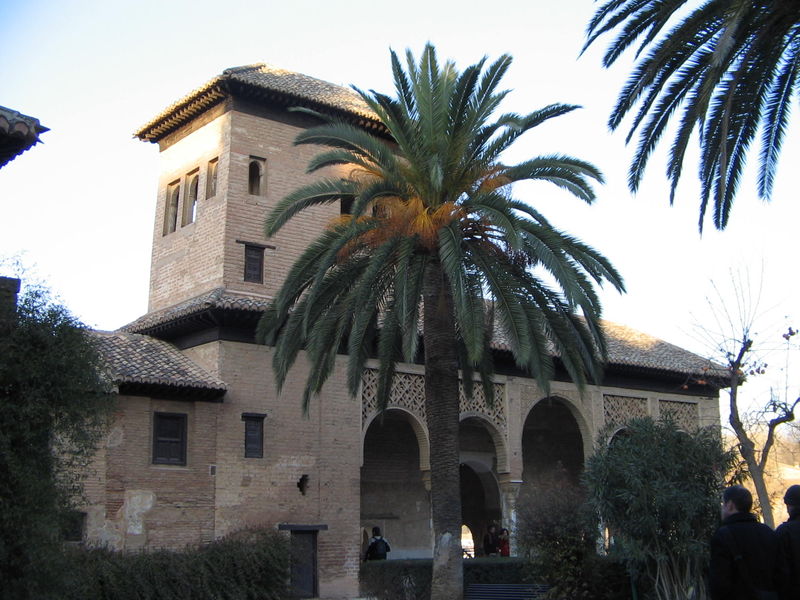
395,471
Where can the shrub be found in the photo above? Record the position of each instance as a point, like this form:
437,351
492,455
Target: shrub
248,565
657,491
396,579
411,579
54,400
557,530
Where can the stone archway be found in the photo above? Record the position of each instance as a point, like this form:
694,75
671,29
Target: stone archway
480,493
393,493
551,442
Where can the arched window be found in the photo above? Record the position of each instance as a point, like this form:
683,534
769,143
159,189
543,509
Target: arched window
211,178
255,176
190,202
171,210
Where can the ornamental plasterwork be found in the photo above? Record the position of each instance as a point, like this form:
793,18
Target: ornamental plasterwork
495,414
618,410
685,414
408,392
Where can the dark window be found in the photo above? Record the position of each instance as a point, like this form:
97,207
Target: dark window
254,263
169,438
255,176
73,526
190,202
253,435
346,206
171,212
211,178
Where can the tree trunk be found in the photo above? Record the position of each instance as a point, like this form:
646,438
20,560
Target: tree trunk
442,408
747,446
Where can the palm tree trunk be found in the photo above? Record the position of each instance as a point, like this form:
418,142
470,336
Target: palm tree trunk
442,408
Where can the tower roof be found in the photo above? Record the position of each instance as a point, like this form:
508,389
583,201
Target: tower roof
262,83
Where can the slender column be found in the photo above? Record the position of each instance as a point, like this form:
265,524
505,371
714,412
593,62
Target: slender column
509,491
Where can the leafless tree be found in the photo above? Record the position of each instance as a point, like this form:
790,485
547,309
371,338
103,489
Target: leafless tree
743,356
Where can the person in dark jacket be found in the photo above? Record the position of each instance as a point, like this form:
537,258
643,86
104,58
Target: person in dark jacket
491,543
744,552
378,546
789,545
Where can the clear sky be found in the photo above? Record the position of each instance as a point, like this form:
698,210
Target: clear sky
80,207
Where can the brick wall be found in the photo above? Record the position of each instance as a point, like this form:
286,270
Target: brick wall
141,504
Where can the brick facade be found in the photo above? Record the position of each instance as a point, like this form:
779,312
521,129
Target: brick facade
337,467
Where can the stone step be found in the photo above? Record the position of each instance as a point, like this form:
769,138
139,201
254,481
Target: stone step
504,591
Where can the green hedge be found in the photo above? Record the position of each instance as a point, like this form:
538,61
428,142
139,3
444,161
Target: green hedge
250,565
602,578
404,579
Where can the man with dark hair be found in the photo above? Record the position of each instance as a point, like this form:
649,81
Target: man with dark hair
378,546
744,552
789,545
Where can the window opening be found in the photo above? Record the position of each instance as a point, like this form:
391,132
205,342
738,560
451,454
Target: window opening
171,209
253,435
190,202
211,178
255,176
254,263
346,206
73,526
169,438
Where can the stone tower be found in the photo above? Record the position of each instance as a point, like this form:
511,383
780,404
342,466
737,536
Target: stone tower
227,157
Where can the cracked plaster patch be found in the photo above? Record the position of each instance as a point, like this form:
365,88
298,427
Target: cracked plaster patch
137,503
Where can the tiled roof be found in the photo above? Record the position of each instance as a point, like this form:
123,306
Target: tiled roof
216,298
633,348
627,348
18,133
143,360
265,83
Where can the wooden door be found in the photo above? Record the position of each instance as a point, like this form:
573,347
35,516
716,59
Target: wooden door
304,564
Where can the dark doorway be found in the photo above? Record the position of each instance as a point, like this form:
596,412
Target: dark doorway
552,444
304,564
480,495
393,494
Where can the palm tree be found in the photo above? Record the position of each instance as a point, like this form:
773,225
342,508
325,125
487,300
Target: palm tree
434,243
729,67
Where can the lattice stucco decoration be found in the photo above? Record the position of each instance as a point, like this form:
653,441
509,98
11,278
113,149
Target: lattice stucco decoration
618,410
495,414
685,414
408,392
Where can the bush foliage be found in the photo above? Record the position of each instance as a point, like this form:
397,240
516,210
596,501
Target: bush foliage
657,491
557,531
250,565
411,579
54,401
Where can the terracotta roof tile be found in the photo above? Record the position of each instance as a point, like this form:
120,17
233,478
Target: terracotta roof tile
263,81
140,359
626,347
216,298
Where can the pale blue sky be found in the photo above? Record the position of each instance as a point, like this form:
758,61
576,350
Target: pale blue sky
80,207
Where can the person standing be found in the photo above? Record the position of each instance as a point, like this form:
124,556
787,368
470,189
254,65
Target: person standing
378,546
789,545
491,543
744,552
504,542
